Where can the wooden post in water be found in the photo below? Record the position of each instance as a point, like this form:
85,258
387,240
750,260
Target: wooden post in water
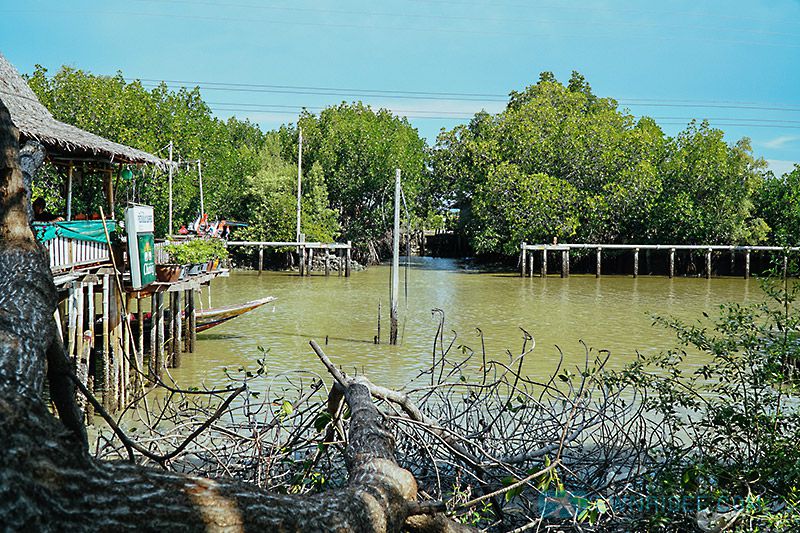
708,263
530,265
327,262
78,320
565,263
348,255
671,262
160,357
192,314
186,336
106,358
636,263
544,262
340,261
395,288
153,335
785,265
747,263
72,317
310,260
175,321
599,262
260,259
140,320
378,336
524,259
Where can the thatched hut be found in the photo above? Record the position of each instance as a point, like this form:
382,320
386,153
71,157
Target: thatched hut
69,149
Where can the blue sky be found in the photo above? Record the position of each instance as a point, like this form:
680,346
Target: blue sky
736,63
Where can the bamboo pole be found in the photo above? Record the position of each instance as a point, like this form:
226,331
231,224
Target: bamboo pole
106,358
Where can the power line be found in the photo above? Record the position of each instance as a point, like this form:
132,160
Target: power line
436,95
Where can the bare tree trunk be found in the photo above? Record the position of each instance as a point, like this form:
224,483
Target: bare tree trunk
49,482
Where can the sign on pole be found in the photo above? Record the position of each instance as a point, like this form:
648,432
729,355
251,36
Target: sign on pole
141,246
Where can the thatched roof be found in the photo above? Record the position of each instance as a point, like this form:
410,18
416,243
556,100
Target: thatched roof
62,141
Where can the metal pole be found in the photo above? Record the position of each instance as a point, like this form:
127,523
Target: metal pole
299,178
170,187
200,175
395,259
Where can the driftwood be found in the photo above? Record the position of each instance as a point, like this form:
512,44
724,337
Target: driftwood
49,482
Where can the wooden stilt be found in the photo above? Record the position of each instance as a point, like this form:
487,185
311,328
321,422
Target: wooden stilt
310,261
523,259
72,318
747,264
347,267
140,321
154,368
78,321
113,359
160,339
544,262
565,263
302,259
671,263
599,265
179,324
260,259
192,314
530,265
327,262
169,341
636,263
340,259
708,264
175,321
105,359
187,338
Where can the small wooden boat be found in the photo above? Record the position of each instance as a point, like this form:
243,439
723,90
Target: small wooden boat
213,316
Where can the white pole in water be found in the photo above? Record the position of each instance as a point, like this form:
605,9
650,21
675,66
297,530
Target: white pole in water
395,260
299,178
170,187
200,175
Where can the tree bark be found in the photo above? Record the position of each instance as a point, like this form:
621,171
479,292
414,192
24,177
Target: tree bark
48,481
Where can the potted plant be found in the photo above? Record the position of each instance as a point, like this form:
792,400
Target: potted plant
201,254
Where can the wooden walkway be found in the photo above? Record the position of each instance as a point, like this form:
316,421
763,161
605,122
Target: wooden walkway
527,256
341,254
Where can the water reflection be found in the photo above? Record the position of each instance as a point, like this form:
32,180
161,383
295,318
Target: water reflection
611,312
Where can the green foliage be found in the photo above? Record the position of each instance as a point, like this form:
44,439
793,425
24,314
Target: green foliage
602,175
732,425
778,204
357,151
149,119
196,251
271,200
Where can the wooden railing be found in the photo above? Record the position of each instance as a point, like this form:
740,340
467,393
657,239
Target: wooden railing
68,254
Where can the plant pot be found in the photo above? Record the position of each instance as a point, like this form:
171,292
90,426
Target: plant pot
184,272
195,269
204,267
168,273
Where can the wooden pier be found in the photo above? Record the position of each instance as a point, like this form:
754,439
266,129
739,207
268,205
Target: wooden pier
341,256
527,255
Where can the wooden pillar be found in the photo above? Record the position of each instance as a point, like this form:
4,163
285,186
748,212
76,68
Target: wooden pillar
327,262
175,322
708,263
260,259
785,266
140,349
310,261
747,263
192,315
340,259
348,255
565,263
530,265
114,356
90,309
302,260
169,339
599,262
671,262
160,338
187,338
154,363
636,263
733,262
179,324
72,318
78,320
524,259
544,262
106,357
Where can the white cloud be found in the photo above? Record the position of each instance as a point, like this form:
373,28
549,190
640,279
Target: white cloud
780,167
780,142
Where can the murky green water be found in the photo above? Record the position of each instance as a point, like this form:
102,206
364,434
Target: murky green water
612,313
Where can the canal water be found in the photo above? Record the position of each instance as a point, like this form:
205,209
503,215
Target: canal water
612,313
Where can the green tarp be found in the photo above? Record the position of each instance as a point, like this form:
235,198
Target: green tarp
82,230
